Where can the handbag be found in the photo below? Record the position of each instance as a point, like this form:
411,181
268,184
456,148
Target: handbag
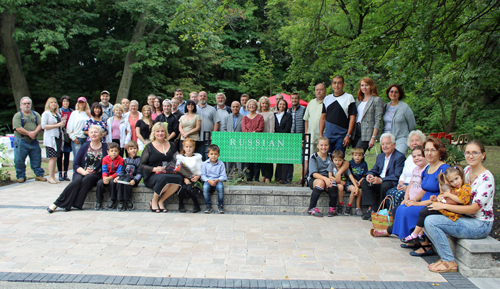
383,218
66,138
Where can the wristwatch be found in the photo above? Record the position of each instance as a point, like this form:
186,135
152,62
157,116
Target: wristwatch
373,136
349,136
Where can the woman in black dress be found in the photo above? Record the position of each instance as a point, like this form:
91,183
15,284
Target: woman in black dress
156,155
87,167
143,127
283,124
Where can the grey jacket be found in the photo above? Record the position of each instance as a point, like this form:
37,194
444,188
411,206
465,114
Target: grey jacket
372,117
227,124
403,121
298,125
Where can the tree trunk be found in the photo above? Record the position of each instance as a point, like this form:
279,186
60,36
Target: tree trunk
18,82
127,75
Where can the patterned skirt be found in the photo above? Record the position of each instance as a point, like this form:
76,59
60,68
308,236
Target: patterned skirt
51,152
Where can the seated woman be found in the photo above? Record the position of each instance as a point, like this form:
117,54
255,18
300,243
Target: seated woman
156,155
407,213
477,224
87,167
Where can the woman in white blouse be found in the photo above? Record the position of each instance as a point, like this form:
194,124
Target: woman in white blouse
76,121
52,135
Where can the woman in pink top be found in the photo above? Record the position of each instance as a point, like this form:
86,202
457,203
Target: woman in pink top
253,122
158,108
133,116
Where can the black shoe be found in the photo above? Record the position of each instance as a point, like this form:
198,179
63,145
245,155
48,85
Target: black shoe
196,209
61,177
182,209
208,210
130,206
367,215
65,176
120,206
111,205
347,211
221,209
340,209
97,206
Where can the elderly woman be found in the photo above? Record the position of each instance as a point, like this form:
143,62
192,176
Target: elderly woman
119,130
65,112
415,138
253,122
264,109
478,219
398,117
154,159
407,213
76,122
96,119
52,135
370,109
132,117
88,171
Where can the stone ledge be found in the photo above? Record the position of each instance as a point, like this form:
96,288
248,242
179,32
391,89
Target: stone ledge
474,256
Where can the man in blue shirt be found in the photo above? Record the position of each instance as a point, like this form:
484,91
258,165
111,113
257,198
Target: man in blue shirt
243,99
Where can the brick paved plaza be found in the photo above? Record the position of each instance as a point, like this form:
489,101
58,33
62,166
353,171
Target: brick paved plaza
230,248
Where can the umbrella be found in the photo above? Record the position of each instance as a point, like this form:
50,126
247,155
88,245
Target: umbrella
286,97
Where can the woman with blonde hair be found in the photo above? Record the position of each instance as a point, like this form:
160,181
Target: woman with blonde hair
119,130
143,127
157,154
264,109
252,122
76,122
52,125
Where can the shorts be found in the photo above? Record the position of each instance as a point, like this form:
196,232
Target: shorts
347,185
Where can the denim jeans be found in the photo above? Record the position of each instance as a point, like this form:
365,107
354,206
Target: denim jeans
220,193
437,226
22,149
76,147
336,144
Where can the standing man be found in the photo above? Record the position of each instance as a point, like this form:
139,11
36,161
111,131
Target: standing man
175,108
209,118
107,108
243,99
338,116
125,103
180,97
221,108
151,102
297,111
194,97
232,123
26,125
168,117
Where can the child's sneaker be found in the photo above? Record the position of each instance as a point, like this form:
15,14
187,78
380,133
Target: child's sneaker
315,212
347,211
340,209
120,206
130,205
358,212
331,212
221,209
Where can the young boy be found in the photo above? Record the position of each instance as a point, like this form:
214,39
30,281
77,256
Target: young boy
345,184
111,166
213,173
359,168
130,174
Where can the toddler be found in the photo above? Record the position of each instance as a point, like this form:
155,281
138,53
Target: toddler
359,168
213,173
347,183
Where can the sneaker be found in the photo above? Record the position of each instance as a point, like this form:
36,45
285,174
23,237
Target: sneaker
196,209
367,215
221,209
347,211
208,210
97,206
331,212
130,206
411,240
120,206
358,212
315,212
40,179
21,180
111,205
340,209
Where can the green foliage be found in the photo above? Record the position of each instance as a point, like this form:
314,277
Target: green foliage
259,80
4,174
455,156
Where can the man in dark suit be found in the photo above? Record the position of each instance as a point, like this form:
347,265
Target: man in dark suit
232,123
383,176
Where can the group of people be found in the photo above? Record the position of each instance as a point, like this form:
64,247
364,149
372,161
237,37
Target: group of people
427,194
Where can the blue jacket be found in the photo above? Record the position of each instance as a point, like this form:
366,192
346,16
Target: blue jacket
215,171
394,168
79,161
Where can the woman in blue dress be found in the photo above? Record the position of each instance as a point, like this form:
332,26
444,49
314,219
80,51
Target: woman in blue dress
407,213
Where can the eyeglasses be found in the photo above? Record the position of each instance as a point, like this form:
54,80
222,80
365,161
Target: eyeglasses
474,154
430,151
26,103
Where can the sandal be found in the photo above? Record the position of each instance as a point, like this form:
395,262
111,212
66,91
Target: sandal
378,233
151,207
435,264
447,268
406,246
161,210
428,251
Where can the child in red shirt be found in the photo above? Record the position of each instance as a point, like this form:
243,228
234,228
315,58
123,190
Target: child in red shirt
112,165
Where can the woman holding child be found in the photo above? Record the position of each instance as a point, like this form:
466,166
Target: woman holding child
87,166
154,159
479,220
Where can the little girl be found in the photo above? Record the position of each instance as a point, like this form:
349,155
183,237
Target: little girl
193,161
459,193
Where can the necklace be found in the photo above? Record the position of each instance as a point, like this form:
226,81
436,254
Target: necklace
90,145
162,146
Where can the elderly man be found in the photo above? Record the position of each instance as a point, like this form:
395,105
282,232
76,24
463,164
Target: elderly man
338,116
221,108
168,117
209,118
26,125
194,96
384,174
125,103
232,123
175,108
243,100
107,108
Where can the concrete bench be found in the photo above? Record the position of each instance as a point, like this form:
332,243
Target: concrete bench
237,199
475,256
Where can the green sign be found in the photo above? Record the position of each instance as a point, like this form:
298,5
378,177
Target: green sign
259,147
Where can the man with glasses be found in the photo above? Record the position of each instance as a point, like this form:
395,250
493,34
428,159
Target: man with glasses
26,124
383,176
